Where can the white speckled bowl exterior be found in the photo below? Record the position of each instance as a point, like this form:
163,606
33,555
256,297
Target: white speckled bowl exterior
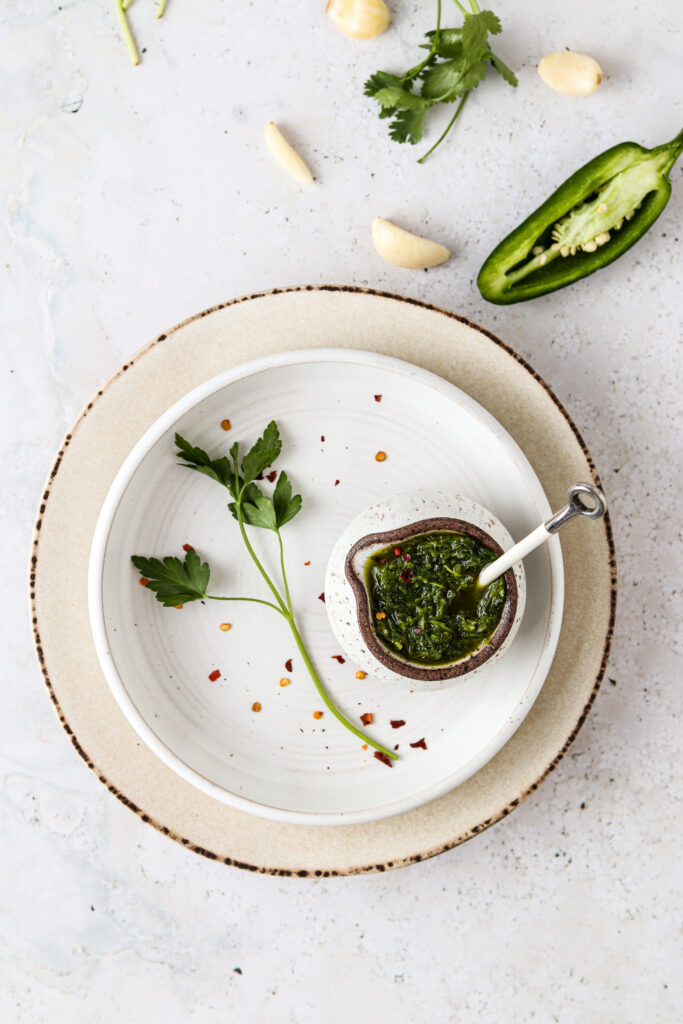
385,516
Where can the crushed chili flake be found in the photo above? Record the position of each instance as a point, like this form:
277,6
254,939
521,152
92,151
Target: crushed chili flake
187,547
338,657
307,563
317,714
396,723
288,664
224,627
360,675
368,718
380,615
396,747
256,706
378,398
336,483
364,746
397,551
417,629
321,597
143,581
271,476
322,437
380,456
213,676
406,557
226,424
178,606
406,576
284,681
420,743
383,758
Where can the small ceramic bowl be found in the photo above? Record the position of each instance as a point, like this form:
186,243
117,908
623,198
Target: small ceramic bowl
397,519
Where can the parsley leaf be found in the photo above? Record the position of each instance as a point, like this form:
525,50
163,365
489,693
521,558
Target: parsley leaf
457,61
197,458
286,506
172,581
263,453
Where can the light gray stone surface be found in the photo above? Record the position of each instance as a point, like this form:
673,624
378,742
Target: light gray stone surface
134,198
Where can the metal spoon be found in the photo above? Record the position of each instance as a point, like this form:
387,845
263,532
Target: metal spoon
594,508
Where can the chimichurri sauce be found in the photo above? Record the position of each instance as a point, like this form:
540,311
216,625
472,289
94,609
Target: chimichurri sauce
424,603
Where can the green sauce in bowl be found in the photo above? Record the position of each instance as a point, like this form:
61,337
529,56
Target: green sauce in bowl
425,604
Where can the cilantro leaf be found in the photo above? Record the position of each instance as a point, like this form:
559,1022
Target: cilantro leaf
286,506
407,126
456,63
263,453
502,69
196,458
172,581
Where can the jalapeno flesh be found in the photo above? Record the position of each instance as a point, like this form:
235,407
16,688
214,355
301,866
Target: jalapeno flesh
594,217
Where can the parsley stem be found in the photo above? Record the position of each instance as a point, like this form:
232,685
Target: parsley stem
125,29
162,8
435,42
445,133
326,700
284,573
252,600
271,586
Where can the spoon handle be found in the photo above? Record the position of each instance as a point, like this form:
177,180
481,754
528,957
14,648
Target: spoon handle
577,505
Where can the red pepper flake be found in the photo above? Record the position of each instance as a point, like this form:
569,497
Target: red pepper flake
396,747
396,723
420,743
307,563
364,746
321,597
271,476
378,398
336,483
213,676
406,557
380,615
406,576
143,581
178,606
226,424
322,438
288,664
338,657
367,718
256,706
417,629
380,456
360,674
383,758
397,551
317,714
187,547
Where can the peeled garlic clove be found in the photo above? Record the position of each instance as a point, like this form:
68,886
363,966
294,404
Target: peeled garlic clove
573,74
403,249
286,155
360,19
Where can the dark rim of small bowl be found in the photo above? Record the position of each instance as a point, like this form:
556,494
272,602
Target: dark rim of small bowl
379,651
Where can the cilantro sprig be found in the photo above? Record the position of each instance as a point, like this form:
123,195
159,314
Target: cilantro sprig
457,61
174,582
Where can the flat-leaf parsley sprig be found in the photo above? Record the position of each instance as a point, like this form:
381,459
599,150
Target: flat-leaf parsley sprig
175,582
457,61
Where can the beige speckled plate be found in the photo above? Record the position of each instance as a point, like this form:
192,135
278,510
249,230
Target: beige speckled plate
115,420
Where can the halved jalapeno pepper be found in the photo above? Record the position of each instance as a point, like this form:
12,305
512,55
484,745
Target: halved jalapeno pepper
594,217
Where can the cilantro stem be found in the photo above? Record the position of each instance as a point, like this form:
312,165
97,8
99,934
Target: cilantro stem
125,29
254,557
432,50
252,600
326,700
448,128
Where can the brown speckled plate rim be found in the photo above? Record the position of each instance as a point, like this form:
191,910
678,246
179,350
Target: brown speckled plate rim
440,524
368,868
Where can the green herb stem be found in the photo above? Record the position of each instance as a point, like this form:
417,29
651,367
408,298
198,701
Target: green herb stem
162,8
254,557
445,133
252,600
432,50
125,29
326,700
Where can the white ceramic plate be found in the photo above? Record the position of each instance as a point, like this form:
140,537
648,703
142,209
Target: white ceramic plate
281,763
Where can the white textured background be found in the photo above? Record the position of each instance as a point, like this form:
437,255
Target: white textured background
138,196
